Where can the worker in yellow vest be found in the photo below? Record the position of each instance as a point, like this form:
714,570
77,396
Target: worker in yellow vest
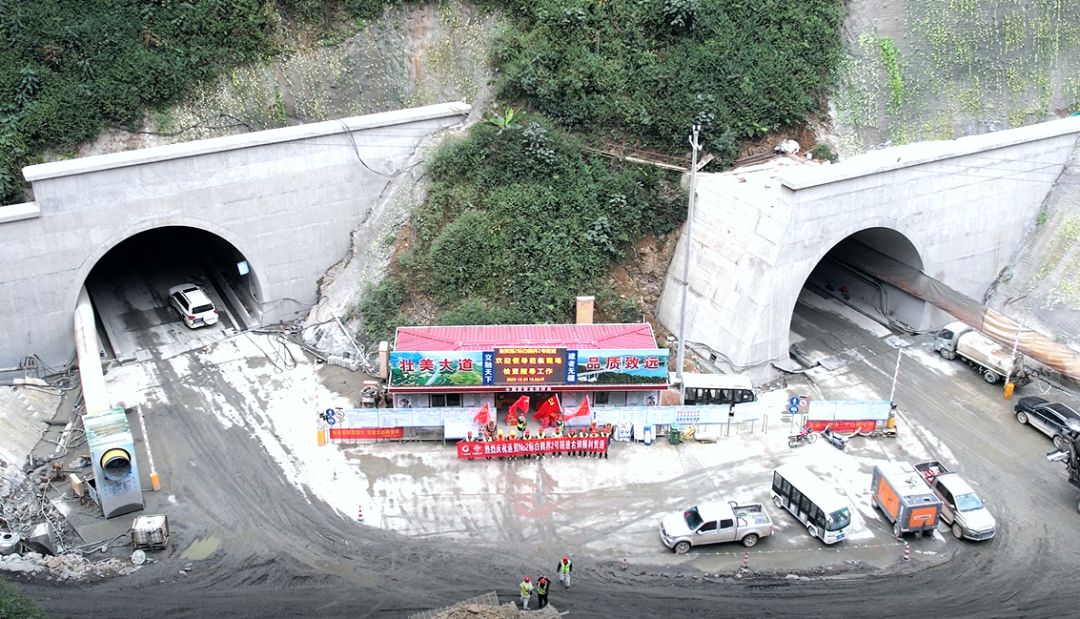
565,567
526,593
542,585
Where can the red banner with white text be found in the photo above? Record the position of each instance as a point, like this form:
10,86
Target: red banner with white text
495,449
842,427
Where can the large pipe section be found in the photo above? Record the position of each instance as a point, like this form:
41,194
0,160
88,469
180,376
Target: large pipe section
88,351
994,325
116,486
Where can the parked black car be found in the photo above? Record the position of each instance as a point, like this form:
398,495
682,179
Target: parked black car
1053,418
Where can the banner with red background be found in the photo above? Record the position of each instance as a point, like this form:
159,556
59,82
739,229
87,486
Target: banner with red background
493,449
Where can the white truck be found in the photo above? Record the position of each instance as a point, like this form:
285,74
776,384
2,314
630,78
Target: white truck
712,523
992,360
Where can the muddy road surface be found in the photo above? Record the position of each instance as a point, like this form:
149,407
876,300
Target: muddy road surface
259,545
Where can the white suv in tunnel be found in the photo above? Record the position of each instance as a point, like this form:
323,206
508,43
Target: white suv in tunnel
194,306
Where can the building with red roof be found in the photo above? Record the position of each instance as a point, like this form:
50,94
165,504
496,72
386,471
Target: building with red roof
470,366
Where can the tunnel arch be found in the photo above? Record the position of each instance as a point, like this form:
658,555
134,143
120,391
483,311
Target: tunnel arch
837,274
129,287
255,278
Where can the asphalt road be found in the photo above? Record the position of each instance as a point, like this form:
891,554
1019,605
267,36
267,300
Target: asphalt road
282,552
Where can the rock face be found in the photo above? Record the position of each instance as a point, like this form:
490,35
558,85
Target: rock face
921,70
414,55
1041,286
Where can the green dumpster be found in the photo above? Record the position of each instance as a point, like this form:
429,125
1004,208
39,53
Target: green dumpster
675,435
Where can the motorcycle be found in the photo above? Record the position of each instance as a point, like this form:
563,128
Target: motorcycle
837,441
806,435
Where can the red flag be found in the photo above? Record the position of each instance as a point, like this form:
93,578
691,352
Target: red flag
521,405
549,408
582,410
483,416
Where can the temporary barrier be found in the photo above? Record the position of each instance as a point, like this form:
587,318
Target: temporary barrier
454,423
847,416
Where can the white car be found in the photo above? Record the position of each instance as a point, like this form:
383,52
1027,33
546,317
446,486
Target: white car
194,306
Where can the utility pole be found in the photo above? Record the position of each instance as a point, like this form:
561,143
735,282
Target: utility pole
695,147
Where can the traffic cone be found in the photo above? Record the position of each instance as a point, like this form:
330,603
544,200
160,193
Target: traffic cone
360,513
624,563
907,552
746,561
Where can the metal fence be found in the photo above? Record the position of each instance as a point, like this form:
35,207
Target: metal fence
488,599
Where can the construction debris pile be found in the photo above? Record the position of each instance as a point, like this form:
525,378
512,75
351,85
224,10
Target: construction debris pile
71,566
487,607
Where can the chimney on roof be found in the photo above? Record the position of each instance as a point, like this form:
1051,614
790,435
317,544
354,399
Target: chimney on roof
384,360
585,310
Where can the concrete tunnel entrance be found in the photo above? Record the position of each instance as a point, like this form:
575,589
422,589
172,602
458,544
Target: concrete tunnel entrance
129,289
838,275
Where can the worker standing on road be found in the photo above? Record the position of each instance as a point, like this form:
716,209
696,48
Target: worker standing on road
522,424
526,593
558,449
499,439
542,591
565,567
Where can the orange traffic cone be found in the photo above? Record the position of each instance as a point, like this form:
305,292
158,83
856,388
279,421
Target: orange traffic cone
907,552
746,561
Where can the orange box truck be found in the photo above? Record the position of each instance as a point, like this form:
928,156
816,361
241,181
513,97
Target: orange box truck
901,493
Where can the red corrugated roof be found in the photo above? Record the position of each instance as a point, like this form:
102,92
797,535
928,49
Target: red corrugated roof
488,337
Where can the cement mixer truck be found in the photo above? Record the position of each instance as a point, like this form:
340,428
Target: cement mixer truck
994,361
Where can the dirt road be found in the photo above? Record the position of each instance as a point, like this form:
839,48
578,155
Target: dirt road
275,550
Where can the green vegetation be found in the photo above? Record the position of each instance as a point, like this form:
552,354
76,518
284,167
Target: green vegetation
520,219
962,67
649,69
70,67
890,58
15,605
518,222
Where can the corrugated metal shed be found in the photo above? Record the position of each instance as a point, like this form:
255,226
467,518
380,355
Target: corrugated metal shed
487,337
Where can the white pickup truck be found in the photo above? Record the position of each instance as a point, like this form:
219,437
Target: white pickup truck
712,523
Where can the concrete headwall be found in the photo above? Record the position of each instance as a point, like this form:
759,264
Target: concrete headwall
963,205
286,199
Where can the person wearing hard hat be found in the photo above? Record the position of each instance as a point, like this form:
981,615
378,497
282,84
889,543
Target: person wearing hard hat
565,567
513,445
542,585
526,593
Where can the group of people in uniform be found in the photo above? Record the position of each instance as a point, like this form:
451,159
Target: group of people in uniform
565,567
490,433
